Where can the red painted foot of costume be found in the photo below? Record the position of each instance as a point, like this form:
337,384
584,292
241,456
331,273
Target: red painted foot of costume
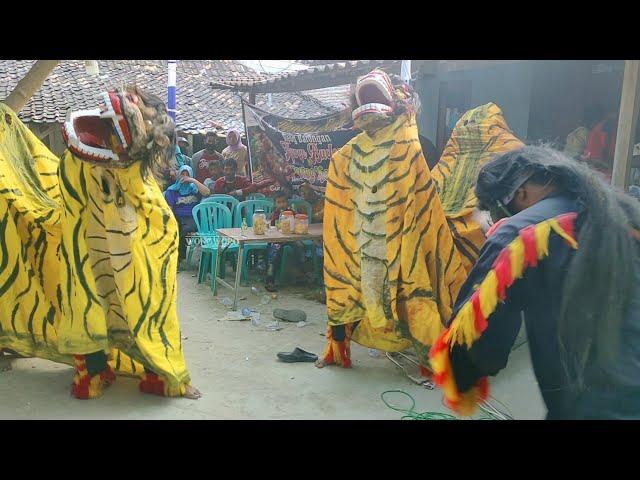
425,372
154,384
86,386
337,352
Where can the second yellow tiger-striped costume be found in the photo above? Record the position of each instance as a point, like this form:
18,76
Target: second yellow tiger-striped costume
479,135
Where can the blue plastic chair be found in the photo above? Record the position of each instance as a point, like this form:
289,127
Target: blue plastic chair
295,205
209,216
246,210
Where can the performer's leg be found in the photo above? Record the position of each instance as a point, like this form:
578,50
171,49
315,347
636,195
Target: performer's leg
155,384
186,225
274,258
338,349
92,374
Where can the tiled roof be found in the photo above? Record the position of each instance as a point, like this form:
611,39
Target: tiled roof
199,107
316,76
337,97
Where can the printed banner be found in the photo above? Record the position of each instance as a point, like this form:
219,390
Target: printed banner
292,151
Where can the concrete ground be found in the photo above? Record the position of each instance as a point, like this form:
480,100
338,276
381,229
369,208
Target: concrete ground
235,367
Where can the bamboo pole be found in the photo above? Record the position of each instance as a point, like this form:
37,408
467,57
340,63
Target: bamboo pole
30,84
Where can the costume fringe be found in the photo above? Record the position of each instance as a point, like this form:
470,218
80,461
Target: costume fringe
530,246
86,387
336,352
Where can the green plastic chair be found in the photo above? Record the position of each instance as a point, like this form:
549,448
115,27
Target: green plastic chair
246,210
296,205
256,196
209,216
227,200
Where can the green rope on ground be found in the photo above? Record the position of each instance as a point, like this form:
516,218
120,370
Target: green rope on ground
411,414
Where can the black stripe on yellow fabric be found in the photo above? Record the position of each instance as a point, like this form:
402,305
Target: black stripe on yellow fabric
364,245
30,275
96,205
383,202
340,304
67,184
334,184
16,191
120,254
417,293
395,234
12,278
465,241
31,315
332,289
118,270
96,237
99,261
13,318
147,223
147,303
133,286
419,240
355,276
338,277
333,202
401,157
67,264
163,282
423,210
3,244
83,182
118,360
79,267
368,168
365,256
44,218
97,219
328,253
49,319
120,232
104,296
360,151
165,222
374,235
356,302
352,182
341,242
370,216
169,248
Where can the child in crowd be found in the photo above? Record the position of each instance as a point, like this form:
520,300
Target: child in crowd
215,172
274,250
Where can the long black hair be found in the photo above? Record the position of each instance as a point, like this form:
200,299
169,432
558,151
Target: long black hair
600,281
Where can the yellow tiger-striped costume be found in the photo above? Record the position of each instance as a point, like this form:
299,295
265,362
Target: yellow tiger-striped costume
479,135
389,259
88,261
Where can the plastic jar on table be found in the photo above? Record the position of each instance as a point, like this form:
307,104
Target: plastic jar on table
287,222
259,222
301,224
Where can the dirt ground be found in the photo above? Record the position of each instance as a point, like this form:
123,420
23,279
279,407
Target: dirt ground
234,365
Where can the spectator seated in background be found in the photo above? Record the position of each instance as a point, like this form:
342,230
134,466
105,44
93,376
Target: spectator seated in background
274,250
237,151
200,161
577,140
182,196
215,172
235,185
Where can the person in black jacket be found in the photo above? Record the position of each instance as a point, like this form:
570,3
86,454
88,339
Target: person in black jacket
581,302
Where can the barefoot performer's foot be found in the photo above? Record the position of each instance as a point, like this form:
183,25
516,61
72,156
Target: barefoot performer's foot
192,392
